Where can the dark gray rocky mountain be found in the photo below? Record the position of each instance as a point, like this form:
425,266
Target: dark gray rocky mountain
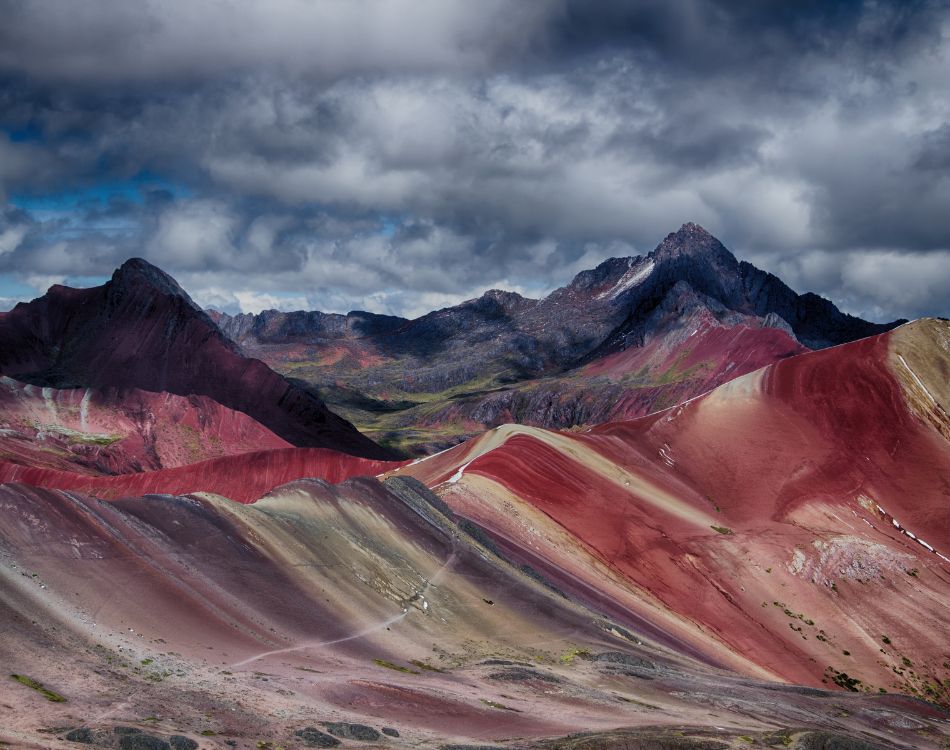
503,357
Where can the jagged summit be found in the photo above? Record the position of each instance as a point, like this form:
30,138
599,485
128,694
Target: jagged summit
137,273
503,294
501,299
692,229
692,240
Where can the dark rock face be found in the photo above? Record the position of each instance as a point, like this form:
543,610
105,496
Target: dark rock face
501,663
305,326
390,732
83,735
142,330
178,742
313,737
692,259
607,301
125,730
520,674
141,741
346,731
626,660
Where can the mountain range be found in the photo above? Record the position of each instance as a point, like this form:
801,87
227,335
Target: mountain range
626,338
673,504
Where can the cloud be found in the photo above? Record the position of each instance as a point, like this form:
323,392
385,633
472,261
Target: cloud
870,283
113,40
354,153
234,301
14,227
193,235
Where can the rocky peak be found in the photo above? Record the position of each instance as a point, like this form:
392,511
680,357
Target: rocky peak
692,241
503,297
137,275
498,300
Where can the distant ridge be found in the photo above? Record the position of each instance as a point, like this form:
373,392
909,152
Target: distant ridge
691,255
621,340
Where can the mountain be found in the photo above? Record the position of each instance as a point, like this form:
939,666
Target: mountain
767,565
795,519
693,257
626,338
141,330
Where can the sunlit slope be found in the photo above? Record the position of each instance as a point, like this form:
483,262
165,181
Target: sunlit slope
795,520
363,602
360,597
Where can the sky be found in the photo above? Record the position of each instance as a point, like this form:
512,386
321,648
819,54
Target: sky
403,155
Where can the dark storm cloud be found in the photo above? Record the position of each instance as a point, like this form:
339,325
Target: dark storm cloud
726,34
934,153
406,154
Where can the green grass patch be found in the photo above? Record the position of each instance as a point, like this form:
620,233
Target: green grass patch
99,439
38,687
725,530
78,437
394,667
841,679
571,654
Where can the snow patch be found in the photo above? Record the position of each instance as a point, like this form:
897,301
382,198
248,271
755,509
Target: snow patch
906,532
629,280
914,375
49,402
665,455
84,410
458,475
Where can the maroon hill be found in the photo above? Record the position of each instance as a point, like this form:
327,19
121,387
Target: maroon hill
142,330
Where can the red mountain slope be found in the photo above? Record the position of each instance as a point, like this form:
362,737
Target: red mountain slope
795,520
791,525
367,603
120,430
243,478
